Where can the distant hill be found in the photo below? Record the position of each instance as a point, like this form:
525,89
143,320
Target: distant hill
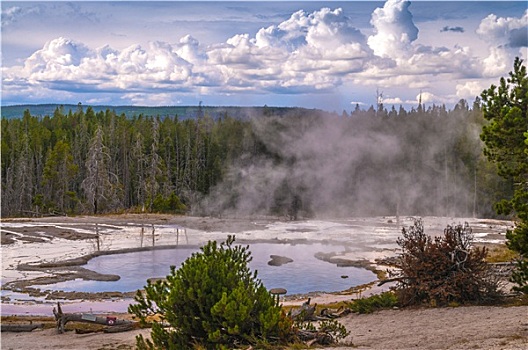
183,112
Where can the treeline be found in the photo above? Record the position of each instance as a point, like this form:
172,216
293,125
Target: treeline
86,162
184,112
299,164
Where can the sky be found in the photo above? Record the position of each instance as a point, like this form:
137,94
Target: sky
314,54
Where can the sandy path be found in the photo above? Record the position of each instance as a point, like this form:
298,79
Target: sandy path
49,339
476,327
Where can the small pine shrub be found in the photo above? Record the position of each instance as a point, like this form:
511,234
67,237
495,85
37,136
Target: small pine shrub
334,328
520,276
213,300
518,242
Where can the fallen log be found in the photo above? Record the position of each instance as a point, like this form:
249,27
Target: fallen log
108,329
86,331
121,328
17,327
63,318
331,314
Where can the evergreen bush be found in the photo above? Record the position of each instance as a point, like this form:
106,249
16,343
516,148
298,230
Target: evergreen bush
506,139
169,204
214,301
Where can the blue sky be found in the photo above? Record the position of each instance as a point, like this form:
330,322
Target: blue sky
314,54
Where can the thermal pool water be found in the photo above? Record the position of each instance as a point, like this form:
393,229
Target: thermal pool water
305,274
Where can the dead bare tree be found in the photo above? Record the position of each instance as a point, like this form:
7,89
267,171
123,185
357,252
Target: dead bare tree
100,185
442,269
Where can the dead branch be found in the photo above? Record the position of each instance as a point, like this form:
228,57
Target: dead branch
395,279
305,312
331,314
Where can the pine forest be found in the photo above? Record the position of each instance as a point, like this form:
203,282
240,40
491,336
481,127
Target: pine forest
298,163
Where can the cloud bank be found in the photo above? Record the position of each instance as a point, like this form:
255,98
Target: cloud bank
309,53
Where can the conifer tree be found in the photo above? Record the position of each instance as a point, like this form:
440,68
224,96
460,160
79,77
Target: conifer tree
100,185
213,300
59,171
505,137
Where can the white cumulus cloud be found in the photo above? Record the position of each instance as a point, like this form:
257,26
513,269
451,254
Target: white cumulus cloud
65,64
505,30
315,52
507,37
395,29
469,89
57,53
308,51
401,61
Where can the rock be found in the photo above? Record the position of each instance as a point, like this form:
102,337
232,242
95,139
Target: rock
277,260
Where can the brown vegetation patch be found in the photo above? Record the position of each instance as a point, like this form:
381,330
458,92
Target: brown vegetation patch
31,239
7,238
57,274
35,233
89,296
498,253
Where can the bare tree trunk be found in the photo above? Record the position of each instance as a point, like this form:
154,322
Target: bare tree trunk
97,237
446,188
475,193
142,234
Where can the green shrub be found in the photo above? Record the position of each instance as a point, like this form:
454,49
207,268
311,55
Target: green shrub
213,300
170,204
326,332
334,328
374,302
518,242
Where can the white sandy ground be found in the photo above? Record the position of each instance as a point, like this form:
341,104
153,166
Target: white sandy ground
475,327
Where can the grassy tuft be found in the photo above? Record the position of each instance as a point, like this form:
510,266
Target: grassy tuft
501,253
368,305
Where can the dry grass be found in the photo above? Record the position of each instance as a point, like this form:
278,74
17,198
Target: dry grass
46,321
500,253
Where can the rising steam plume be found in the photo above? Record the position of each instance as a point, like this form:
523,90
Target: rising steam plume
327,165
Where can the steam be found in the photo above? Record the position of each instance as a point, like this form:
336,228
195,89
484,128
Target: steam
333,166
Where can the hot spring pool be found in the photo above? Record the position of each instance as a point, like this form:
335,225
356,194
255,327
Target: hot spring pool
305,274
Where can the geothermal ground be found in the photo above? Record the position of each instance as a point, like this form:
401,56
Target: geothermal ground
38,252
